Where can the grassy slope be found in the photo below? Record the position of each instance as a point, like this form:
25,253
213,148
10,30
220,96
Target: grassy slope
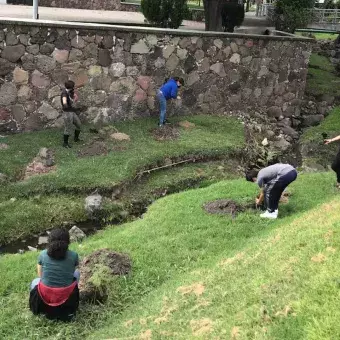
211,135
266,266
321,77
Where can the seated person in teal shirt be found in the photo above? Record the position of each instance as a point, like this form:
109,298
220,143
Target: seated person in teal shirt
57,264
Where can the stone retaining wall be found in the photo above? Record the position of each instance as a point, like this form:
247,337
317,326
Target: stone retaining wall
117,71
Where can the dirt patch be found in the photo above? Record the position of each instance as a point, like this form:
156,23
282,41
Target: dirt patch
196,288
165,133
201,327
115,263
231,260
119,136
3,146
224,207
186,124
235,333
147,335
96,148
319,258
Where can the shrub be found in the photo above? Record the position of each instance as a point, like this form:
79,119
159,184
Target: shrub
164,13
232,15
292,14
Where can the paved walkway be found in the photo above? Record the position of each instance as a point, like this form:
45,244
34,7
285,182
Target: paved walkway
103,17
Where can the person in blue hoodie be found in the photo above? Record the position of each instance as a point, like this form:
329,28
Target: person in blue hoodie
169,90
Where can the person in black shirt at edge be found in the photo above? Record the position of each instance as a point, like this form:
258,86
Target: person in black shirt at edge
68,98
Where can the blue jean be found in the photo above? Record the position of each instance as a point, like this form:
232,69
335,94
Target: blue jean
275,189
36,281
162,104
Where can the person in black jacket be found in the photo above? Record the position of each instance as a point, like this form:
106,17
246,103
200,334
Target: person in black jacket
68,98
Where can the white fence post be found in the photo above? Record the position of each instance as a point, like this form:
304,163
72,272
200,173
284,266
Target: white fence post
35,10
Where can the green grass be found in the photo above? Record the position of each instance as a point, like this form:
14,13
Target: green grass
322,78
24,217
211,136
330,125
320,36
250,269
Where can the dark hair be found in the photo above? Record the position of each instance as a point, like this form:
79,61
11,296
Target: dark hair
58,241
70,84
181,80
251,174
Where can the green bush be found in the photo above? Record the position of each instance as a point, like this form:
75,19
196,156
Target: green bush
292,14
164,13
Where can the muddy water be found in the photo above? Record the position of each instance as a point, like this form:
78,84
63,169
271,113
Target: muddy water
88,227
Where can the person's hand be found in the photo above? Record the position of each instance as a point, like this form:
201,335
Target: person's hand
327,141
257,201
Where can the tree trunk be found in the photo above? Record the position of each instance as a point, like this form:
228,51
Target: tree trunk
213,17
248,6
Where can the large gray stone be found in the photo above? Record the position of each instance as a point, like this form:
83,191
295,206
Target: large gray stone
132,71
8,94
140,48
18,113
117,70
20,76
193,78
312,120
23,39
199,55
54,92
48,111
5,67
45,64
235,58
91,51
104,58
172,62
76,234
182,53
218,68
33,49
78,42
13,53
75,54
39,80
24,94
11,39
274,111
46,49
93,204
61,56
168,50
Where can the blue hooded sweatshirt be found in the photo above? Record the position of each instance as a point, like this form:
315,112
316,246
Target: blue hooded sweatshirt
170,89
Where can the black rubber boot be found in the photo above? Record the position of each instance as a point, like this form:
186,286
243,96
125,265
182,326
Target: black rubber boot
66,144
76,136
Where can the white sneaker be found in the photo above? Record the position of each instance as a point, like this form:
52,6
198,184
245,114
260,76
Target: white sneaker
272,215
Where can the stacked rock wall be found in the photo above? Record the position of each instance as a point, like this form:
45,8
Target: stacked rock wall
118,71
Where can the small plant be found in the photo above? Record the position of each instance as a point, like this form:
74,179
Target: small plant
165,13
292,14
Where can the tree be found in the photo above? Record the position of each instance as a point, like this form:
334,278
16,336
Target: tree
219,14
232,15
292,14
213,18
164,13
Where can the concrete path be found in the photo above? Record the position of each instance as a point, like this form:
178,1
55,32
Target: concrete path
103,17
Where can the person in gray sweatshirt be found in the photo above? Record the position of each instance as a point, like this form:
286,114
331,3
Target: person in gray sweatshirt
272,180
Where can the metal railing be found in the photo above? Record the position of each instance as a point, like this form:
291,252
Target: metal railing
326,16
264,10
